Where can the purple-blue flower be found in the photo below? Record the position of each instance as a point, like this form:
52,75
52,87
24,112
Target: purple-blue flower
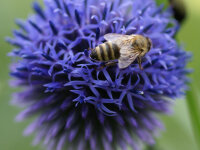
79,104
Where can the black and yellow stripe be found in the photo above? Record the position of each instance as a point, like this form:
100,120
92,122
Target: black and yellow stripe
116,51
107,51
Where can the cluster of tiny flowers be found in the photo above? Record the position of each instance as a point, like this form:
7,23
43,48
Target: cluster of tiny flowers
79,104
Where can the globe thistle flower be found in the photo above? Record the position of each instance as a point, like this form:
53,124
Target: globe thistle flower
81,104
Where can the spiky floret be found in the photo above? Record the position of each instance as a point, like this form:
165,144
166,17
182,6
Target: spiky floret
78,103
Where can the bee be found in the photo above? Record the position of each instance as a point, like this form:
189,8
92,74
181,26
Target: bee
125,48
179,9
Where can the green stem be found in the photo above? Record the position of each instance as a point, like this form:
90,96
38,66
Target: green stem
192,103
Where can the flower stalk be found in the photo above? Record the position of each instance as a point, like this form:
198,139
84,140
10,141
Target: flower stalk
193,98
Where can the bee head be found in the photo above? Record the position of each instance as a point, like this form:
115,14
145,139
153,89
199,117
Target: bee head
145,48
149,43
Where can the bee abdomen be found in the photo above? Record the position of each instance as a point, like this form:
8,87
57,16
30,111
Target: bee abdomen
107,51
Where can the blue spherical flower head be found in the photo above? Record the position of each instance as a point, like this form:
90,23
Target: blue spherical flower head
78,103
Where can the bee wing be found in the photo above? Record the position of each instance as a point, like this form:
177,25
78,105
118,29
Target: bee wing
127,56
113,37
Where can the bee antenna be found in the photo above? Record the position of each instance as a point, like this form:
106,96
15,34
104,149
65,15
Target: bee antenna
90,49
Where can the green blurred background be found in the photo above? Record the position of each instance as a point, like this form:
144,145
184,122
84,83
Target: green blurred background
178,134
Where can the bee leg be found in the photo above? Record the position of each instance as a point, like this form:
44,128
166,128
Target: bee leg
103,65
139,59
112,63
